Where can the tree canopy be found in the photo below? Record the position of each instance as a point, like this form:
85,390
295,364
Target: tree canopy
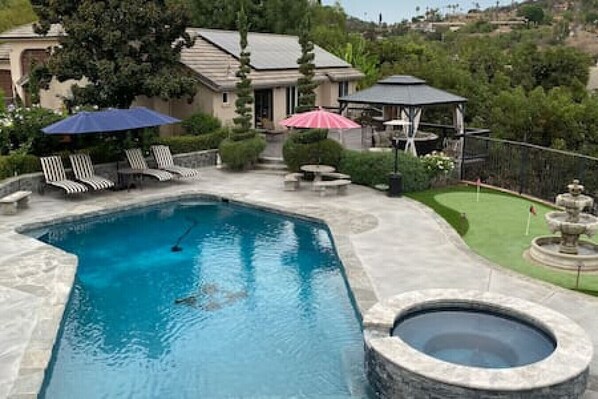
275,16
123,49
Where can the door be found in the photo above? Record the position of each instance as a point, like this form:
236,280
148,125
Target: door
263,106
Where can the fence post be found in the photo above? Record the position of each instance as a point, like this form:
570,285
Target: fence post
523,165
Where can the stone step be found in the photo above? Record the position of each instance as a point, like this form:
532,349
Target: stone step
270,160
272,167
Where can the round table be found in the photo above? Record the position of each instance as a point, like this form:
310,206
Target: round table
317,170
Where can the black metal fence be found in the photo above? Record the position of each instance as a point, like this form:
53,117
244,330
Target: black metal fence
526,168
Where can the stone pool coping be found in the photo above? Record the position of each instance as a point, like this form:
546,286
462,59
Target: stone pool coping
44,330
570,359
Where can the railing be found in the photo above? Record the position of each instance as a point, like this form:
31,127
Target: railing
526,168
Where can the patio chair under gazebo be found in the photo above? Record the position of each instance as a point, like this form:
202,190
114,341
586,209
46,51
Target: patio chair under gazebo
403,97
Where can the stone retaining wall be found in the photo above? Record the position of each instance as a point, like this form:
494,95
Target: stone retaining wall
32,181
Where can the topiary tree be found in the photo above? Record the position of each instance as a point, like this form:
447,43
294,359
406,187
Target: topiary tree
305,84
244,92
242,149
123,49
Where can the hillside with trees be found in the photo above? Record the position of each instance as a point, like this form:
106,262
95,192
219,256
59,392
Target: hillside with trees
14,13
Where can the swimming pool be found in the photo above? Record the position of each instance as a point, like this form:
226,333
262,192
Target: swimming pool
250,304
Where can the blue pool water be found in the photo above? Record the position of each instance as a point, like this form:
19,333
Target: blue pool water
474,338
254,306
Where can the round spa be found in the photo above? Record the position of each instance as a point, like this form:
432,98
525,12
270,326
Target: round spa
470,344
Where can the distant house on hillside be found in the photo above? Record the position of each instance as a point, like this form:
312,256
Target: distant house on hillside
214,59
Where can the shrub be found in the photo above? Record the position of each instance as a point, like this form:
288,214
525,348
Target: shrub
372,168
310,136
240,155
200,123
326,152
19,163
21,130
438,164
182,144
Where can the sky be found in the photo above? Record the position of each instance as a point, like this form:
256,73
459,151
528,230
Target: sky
397,10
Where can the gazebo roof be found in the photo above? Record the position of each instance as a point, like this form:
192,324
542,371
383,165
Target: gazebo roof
403,90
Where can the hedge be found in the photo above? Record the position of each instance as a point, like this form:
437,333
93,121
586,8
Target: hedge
295,153
372,168
240,155
200,123
182,144
19,163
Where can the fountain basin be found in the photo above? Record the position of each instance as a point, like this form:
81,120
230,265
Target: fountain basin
397,369
557,221
545,250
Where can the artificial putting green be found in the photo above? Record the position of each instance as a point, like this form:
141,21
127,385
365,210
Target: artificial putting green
494,227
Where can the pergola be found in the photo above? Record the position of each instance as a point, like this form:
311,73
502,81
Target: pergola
404,97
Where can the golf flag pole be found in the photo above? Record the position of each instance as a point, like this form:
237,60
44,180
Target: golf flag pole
532,211
478,184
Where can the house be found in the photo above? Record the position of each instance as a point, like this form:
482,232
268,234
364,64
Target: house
214,58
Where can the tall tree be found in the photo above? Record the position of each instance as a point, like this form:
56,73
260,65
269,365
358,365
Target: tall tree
123,49
306,84
244,92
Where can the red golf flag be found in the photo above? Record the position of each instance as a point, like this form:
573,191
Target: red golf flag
532,210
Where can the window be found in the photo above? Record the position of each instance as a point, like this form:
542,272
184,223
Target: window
343,89
292,99
225,98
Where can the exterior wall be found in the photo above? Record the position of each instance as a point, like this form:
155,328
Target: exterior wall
17,48
225,112
53,97
279,99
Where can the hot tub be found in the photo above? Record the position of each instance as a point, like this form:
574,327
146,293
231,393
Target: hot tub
470,344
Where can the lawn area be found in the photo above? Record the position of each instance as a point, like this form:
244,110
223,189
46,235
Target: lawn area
495,226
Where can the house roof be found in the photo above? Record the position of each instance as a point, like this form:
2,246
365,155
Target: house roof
217,66
403,90
268,51
215,57
26,32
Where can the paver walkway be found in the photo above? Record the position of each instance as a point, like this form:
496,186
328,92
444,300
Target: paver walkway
400,244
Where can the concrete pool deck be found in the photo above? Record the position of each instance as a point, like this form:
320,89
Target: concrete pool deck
388,246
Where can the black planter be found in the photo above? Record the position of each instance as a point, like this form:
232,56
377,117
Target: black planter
395,185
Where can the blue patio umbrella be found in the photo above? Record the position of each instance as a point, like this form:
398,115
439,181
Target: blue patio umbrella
110,120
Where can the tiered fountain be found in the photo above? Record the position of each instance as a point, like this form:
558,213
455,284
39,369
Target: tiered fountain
568,251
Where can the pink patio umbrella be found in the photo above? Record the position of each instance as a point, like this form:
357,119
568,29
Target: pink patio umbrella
319,119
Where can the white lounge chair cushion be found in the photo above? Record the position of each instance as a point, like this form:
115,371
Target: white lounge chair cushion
55,175
138,164
84,172
165,161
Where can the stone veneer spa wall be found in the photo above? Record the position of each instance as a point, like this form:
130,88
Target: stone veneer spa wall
397,370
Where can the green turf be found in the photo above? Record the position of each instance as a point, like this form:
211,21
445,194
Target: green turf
495,229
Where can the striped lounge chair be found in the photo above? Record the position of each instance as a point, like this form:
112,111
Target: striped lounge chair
55,175
164,160
138,164
83,170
